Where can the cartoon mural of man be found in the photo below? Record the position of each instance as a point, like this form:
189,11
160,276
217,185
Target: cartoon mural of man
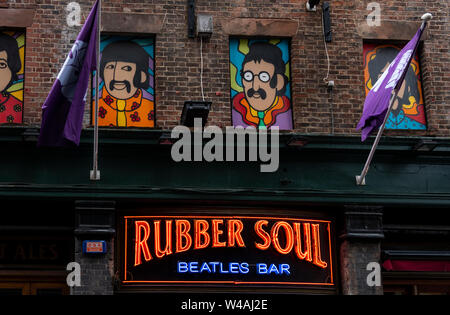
10,107
407,112
263,103
124,101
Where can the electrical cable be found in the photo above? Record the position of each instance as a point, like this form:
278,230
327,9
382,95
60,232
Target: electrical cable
330,88
326,50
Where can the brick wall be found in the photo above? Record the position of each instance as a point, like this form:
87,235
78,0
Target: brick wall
355,256
96,271
49,38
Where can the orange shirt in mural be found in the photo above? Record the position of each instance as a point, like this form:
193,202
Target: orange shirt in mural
137,111
279,114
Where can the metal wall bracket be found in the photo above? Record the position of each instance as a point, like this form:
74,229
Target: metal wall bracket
363,222
94,217
191,18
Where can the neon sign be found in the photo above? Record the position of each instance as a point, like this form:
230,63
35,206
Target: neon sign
227,250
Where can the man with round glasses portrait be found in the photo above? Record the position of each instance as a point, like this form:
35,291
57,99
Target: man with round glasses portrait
263,103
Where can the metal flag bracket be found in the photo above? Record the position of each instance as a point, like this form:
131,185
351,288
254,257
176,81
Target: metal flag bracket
95,176
360,181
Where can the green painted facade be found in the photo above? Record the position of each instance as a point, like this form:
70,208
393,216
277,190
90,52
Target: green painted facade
134,165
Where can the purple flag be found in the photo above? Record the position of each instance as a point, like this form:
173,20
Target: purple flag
62,112
377,100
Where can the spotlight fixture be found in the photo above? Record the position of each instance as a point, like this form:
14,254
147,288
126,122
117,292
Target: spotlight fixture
195,109
425,145
311,5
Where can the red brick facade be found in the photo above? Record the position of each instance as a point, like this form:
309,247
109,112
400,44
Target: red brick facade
315,110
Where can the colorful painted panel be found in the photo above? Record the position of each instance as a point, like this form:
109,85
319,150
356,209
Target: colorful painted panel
126,82
408,111
12,60
261,83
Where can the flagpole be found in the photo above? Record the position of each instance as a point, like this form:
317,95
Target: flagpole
95,173
361,179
